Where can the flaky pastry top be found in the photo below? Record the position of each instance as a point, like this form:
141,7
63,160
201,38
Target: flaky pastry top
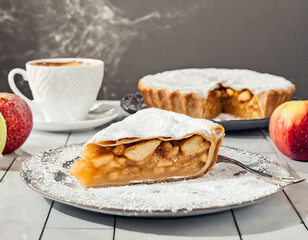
156,123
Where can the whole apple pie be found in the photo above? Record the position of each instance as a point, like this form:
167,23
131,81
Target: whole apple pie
205,93
149,146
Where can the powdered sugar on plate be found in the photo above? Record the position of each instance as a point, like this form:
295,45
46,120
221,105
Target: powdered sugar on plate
225,185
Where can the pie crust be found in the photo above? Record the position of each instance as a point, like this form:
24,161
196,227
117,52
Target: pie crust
205,93
150,146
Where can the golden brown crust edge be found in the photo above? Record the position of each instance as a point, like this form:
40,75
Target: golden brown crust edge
219,142
270,100
175,101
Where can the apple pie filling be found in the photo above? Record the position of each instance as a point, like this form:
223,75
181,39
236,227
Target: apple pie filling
147,160
239,103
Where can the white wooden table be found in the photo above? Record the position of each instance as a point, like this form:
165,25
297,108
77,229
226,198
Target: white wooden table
24,214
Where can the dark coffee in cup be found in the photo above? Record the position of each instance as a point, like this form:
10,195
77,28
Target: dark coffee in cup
61,64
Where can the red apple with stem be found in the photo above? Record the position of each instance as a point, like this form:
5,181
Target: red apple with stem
18,118
288,127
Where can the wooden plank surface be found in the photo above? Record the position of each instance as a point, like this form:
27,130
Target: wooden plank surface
5,163
77,234
213,226
298,193
272,217
23,211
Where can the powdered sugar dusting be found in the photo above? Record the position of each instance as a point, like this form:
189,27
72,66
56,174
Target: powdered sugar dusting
225,185
154,122
201,81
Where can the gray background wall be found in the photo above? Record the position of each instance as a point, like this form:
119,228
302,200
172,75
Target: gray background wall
138,37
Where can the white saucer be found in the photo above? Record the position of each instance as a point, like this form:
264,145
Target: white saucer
104,114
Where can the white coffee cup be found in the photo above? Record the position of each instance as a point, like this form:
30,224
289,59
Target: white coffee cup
62,93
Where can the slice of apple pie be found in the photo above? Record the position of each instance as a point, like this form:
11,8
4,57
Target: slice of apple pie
149,146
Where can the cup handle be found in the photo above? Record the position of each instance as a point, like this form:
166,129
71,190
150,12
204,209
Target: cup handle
13,86
34,107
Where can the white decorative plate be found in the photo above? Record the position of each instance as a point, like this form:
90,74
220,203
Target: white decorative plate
225,187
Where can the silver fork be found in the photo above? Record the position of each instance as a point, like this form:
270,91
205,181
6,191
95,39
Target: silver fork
289,180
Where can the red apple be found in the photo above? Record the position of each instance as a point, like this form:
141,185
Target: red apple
18,118
288,127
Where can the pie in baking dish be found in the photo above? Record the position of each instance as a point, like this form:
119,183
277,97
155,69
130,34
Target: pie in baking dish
150,146
205,93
